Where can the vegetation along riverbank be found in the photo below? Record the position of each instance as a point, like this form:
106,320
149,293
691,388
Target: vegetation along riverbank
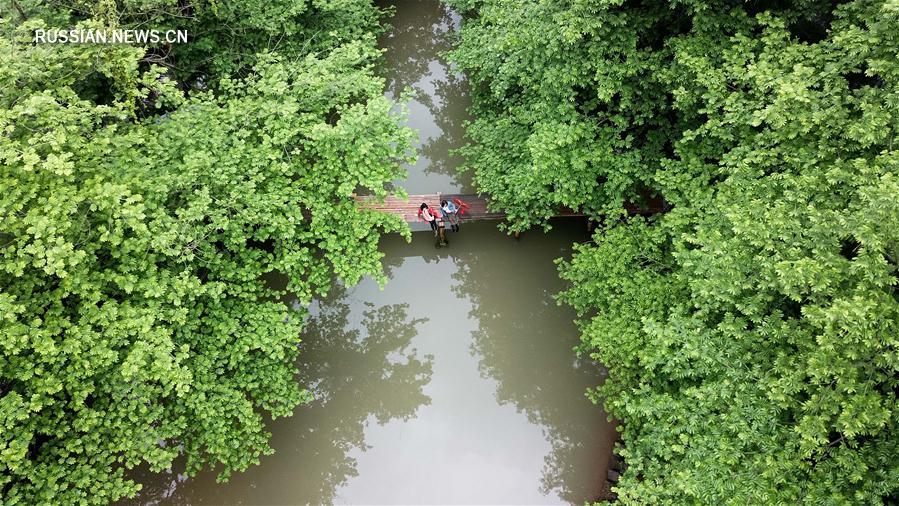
751,332
741,160
146,191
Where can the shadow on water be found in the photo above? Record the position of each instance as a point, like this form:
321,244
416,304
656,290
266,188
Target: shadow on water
529,354
421,34
347,359
521,343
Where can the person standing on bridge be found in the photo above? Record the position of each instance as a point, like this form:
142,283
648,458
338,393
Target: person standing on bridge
425,213
450,213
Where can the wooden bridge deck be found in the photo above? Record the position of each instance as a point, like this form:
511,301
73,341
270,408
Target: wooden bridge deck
408,209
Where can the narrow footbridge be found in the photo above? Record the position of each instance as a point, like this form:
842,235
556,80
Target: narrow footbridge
408,209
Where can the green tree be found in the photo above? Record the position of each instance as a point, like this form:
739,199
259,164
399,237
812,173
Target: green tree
225,37
751,332
137,225
570,109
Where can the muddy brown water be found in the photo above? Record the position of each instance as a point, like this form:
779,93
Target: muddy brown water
454,384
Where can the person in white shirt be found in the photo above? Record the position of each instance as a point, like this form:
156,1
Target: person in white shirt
425,212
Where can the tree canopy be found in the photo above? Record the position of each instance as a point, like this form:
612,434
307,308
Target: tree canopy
141,214
752,331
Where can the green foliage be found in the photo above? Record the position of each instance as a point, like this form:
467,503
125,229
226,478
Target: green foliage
229,36
137,324
569,109
752,332
226,38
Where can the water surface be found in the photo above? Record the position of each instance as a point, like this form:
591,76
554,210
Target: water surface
455,384
422,32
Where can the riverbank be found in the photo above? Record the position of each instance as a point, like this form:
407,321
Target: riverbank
455,384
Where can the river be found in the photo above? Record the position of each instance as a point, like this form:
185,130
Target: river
457,382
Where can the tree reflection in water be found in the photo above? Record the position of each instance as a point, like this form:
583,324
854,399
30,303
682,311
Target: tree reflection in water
349,369
530,357
415,59
347,360
450,120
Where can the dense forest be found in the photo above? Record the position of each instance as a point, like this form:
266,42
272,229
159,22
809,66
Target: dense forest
751,324
742,284
146,192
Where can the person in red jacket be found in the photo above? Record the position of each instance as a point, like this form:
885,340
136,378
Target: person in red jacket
425,213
